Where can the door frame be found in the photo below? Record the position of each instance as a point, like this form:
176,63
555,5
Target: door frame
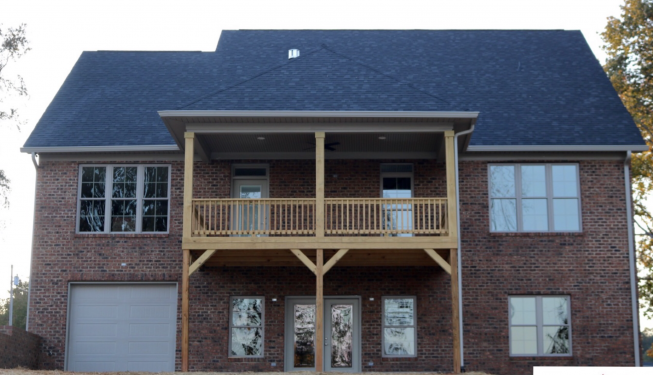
249,166
288,346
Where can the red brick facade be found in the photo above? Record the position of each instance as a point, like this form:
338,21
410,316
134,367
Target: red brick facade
591,267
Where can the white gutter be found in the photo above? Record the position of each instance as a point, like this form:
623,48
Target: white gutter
547,148
67,149
31,265
460,273
370,114
631,252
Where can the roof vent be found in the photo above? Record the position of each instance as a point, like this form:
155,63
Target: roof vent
293,53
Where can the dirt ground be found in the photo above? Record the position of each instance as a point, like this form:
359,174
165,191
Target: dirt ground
55,372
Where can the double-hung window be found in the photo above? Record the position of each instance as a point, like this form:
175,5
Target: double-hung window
534,198
246,326
540,326
123,198
399,327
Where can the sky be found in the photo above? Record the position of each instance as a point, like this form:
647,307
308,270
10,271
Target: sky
60,30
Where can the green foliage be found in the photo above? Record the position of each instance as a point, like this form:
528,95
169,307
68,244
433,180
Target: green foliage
629,46
13,45
20,306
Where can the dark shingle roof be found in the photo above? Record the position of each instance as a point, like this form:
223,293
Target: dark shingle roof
530,87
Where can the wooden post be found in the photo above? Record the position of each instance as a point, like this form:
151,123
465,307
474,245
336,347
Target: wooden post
184,311
188,183
319,311
452,223
319,184
455,316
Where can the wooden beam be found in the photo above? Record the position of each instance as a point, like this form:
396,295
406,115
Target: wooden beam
201,260
188,184
455,316
203,150
334,259
452,223
184,310
319,184
319,311
439,260
307,262
306,243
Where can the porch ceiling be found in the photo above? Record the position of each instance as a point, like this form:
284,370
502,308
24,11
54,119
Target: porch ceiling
354,258
302,145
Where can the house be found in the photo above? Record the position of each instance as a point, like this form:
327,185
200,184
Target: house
338,201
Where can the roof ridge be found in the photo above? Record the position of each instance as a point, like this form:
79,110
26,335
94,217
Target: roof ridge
246,80
409,84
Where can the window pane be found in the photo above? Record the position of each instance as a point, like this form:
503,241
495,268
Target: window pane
502,181
91,216
123,216
533,181
564,181
399,341
555,310
247,311
250,172
522,310
534,215
565,215
399,312
155,182
342,335
94,174
155,215
93,180
523,340
124,182
250,192
396,187
304,335
247,341
556,340
503,215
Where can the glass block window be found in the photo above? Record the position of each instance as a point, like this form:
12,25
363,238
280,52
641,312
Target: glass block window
534,198
123,198
246,326
540,326
399,327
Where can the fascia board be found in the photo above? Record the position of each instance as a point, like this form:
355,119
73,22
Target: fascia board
73,149
366,114
554,148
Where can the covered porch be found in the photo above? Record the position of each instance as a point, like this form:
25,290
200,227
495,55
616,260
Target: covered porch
320,232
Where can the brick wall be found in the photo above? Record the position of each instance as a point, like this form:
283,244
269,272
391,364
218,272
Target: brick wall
19,348
591,267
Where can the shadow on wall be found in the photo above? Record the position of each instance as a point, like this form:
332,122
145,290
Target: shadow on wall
19,348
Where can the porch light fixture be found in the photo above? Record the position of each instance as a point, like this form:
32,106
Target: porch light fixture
382,138
260,138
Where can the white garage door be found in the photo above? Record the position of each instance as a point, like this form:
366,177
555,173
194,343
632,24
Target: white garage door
122,327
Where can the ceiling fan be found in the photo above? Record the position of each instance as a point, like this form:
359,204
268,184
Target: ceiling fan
327,146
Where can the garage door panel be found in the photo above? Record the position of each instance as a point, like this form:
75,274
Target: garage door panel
134,332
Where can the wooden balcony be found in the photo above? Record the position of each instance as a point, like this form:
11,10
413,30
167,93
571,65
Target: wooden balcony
283,217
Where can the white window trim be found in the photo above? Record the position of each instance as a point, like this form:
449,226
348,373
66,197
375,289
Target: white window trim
539,326
108,187
549,197
231,325
383,326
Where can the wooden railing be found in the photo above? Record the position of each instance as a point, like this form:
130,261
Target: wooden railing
342,217
383,216
258,217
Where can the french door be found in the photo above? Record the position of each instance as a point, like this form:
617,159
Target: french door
342,334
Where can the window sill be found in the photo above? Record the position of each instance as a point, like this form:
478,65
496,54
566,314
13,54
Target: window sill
542,358
537,234
122,235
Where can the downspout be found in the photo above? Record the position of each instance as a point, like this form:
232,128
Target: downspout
31,265
631,252
460,273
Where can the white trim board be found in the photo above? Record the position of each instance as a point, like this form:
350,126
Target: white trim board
66,149
549,148
366,114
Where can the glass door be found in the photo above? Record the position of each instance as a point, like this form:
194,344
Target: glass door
397,216
250,216
341,334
